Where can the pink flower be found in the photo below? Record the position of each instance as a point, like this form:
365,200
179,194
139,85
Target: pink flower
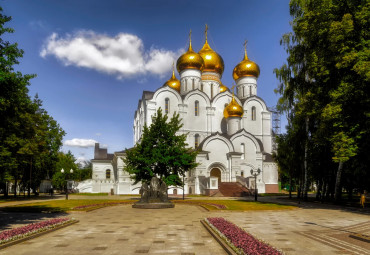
16,233
241,239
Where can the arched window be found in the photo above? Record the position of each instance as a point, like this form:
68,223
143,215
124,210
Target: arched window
242,150
196,140
253,113
242,173
167,106
201,87
107,174
196,108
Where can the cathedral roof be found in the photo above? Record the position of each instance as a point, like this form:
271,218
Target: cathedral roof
190,60
213,62
246,68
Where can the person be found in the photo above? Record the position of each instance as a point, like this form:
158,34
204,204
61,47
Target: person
363,199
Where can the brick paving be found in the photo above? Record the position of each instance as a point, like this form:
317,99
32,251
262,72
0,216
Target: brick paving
125,230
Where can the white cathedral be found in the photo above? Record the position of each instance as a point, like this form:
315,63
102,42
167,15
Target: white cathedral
232,133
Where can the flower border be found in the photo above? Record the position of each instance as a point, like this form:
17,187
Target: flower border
20,234
237,244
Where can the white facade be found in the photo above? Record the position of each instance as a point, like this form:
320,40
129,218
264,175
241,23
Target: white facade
228,148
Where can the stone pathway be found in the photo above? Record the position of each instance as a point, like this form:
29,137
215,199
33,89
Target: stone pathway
124,230
306,231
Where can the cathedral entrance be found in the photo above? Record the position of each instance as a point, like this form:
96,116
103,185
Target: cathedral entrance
215,172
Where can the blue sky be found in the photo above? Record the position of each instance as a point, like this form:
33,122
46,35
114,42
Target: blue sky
94,58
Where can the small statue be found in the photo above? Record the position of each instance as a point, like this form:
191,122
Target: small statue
144,192
163,192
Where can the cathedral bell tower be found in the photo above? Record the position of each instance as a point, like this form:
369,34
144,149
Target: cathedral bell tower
190,66
233,113
245,75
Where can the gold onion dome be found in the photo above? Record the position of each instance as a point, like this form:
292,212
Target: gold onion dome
173,82
233,109
223,88
190,60
212,61
246,68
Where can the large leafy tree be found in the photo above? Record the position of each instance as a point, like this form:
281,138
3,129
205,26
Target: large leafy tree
326,81
161,152
29,137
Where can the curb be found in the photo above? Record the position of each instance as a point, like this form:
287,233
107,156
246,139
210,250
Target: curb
11,243
223,244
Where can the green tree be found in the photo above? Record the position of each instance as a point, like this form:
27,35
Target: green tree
15,107
66,161
161,152
29,137
326,80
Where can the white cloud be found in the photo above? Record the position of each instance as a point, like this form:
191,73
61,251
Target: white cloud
83,143
122,55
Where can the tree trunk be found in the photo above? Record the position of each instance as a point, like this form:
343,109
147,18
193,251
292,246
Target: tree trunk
15,186
290,187
319,187
338,187
29,185
305,185
6,190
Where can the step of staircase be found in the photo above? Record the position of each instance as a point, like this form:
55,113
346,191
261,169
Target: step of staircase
233,189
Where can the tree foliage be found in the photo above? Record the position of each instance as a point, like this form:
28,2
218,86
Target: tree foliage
161,152
29,137
326,79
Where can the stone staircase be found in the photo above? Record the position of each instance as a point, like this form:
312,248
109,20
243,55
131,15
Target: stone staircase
232,189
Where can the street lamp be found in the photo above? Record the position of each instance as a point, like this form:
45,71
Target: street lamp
62,171
255,173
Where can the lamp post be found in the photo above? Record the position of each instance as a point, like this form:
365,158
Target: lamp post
66,180
255,173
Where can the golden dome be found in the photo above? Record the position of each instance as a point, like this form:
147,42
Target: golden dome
190,60
212,61
223,88
246,68
173,82
233,110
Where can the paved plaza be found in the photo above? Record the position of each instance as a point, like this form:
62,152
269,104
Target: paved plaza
125,230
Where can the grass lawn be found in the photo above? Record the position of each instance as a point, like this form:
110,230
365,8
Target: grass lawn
63,205
238,205
88,194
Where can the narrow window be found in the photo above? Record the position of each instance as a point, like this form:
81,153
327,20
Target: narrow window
107,174
242,150
193,83
253,113
196,141
211,90
243,90
242,173
201,87
186,85
250,90
196,106
167,106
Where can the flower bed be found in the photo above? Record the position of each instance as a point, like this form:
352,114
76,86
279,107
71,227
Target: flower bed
240,239
30,229
101,205
218,206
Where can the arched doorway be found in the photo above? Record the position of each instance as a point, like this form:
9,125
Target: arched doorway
216,172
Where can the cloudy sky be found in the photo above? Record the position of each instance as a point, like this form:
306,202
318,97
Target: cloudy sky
94,58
